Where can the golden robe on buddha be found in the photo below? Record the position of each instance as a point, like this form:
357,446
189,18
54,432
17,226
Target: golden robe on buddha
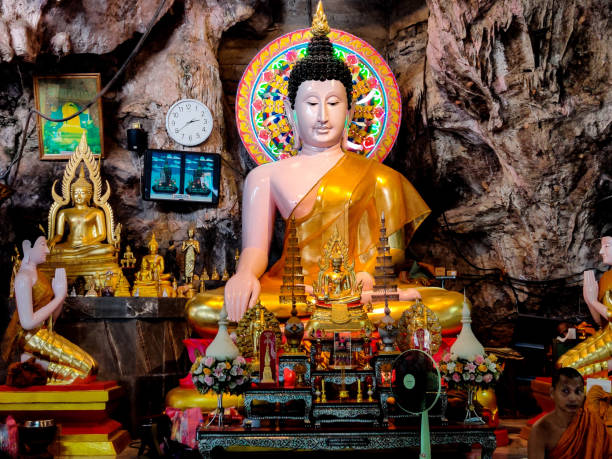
591,356
351,196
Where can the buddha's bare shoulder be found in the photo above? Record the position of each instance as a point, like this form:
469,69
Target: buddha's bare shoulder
273,169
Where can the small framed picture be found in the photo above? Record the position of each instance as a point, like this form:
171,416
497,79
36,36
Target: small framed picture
59,96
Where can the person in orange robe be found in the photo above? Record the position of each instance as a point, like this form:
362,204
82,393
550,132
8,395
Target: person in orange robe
572,430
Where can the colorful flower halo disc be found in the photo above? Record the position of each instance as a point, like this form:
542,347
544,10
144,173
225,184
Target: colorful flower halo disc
260,114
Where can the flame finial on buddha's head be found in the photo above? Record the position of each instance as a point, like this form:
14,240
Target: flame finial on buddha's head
319,22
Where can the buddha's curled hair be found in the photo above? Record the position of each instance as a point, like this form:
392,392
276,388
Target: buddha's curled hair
320,64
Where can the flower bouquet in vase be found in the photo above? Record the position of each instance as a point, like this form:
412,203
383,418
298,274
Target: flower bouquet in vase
481,371
221,376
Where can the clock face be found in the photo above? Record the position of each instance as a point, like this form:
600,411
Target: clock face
189,122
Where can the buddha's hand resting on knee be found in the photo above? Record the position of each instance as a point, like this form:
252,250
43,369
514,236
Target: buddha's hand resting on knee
241,292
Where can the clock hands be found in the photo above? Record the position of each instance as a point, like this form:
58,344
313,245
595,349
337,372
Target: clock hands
188,123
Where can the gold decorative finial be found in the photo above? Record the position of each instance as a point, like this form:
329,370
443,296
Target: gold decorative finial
319,28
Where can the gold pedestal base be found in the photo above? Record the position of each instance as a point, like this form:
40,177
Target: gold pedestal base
151,291
85,267
339,317
92,444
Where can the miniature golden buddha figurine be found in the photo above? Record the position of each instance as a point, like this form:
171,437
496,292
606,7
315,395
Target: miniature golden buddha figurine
39,300
338,296
335,282
190,248
82,238
594,354
321,187
128,260
123,287
151,280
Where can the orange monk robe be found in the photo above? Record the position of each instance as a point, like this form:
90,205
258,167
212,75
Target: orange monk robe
587,436
605,286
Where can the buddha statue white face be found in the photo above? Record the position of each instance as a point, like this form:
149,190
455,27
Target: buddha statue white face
321,111
606,250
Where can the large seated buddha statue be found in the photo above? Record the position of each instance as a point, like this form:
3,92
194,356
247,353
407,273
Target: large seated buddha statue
594,354
82,237
322,187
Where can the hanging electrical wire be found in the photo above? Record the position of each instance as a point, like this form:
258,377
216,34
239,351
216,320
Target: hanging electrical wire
5,175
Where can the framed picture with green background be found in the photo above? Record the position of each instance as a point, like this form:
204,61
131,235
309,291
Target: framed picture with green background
59,96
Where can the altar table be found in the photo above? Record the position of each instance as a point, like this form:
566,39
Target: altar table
345,438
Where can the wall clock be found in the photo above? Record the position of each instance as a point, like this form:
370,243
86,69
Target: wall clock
189,122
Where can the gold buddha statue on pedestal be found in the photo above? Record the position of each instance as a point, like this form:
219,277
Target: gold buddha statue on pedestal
338,304
151,280
82,238
322,186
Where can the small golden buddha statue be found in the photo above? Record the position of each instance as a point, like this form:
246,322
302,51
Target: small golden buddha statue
122,288
338,296
82,238
336,283
128,260
151,280
190,247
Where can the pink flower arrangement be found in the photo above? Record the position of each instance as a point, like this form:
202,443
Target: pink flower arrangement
482,370
221,376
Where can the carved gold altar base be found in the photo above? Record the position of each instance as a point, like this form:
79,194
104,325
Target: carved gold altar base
96,267
328,318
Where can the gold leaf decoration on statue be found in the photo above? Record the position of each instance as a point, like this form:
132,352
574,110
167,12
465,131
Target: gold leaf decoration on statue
254,321
83,154
419,316
336,247
320,27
